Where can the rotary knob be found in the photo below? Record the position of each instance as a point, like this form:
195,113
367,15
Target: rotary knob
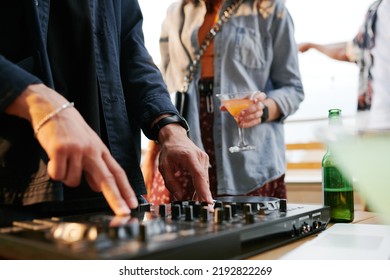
218,215
250,218
175,212
162,210
188,213
228,212
204,214
247,208
283,205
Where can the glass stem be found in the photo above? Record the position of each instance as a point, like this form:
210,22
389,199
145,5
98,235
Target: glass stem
241,142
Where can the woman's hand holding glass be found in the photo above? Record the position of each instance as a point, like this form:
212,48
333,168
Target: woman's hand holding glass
247,109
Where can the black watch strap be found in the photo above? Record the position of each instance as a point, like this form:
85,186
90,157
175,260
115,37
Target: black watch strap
265,115
168,120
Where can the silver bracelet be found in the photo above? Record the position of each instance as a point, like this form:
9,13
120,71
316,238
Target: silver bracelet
49,116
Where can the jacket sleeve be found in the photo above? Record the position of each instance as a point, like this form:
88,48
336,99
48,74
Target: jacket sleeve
146,93
285,75
13,81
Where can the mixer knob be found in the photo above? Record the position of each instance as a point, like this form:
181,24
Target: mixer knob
192,202
123,232
283,205
234,208
176,211
204,214
204,203
250,218
144,207
144,232
162,210
182,203
228,212
147,229
247,208
262,210
196,210
218,215
218,204
189,216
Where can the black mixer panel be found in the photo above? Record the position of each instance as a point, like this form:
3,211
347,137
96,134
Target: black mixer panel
238,228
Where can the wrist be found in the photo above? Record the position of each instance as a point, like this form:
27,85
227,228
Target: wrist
171,133
168,121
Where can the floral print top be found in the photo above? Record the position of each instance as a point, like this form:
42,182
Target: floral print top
359,50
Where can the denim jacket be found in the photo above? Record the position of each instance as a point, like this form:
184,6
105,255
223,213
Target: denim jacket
132,91
254,50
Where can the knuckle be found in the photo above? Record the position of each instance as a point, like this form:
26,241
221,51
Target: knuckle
72,182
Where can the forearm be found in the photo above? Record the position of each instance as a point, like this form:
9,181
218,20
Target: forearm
336,51
34,103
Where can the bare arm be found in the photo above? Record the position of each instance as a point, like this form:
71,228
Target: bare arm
336,51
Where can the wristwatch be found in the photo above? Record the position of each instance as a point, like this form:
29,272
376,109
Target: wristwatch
265,115
168,120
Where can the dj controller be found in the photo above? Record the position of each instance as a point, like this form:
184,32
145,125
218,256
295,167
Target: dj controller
238,228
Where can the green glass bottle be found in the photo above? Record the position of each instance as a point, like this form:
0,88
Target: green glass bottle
337,188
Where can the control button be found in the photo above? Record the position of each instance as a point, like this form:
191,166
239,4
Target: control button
218,204
176,212
247,208
121,232
189,216
262,210
204,214
144,232
228,212
233,206
250,218
283,205
218,215
162,210
196,210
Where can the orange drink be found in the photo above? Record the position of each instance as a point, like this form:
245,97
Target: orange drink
235,106
234,103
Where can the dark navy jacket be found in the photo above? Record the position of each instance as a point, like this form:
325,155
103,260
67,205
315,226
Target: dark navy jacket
132,91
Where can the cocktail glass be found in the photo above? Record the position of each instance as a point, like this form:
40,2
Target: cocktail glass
235,103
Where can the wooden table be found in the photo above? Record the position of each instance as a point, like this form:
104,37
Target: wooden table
361,217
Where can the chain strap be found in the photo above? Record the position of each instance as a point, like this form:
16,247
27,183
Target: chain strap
226,15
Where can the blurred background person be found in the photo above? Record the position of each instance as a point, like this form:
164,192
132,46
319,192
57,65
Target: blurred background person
380,72
357,51
254,51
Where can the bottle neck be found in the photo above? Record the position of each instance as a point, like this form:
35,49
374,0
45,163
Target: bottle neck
334,122
334,117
